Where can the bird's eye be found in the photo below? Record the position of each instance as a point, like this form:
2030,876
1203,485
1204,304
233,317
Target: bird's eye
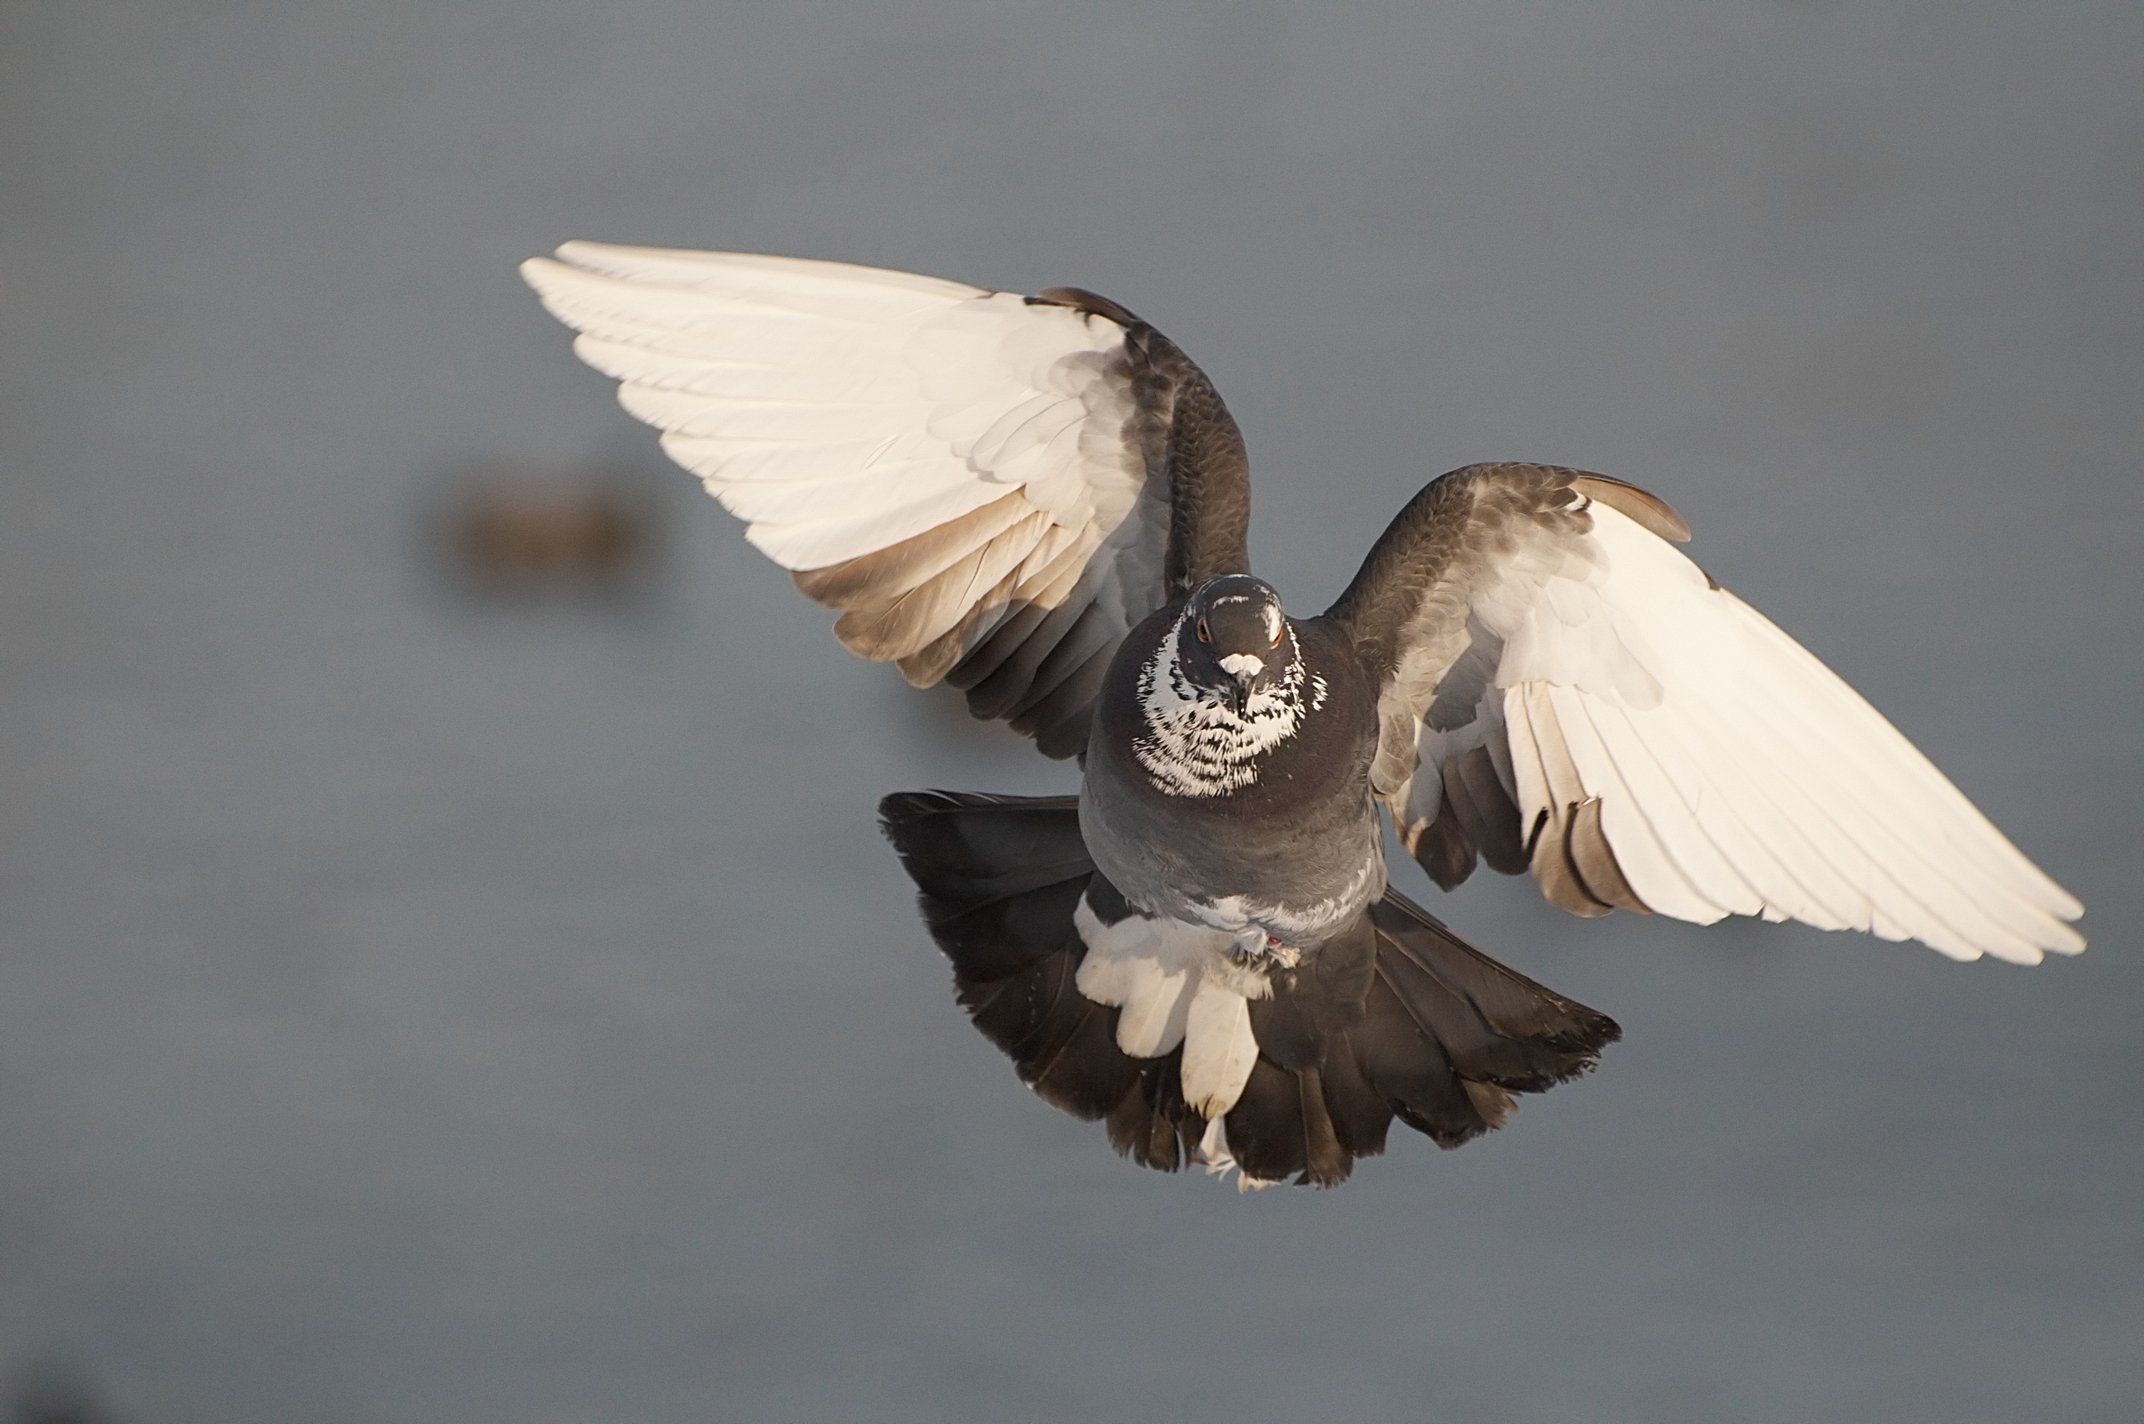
1205,633
1276,636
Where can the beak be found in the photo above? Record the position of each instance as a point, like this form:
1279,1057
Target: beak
1246,669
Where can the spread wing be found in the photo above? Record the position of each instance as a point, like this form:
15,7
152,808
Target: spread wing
1563,691
993,489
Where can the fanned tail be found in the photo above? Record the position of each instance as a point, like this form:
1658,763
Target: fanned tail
1395,1017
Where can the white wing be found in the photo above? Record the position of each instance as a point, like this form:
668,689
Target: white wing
1666,747
961,471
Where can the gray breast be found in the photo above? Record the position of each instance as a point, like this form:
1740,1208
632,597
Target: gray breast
1291,849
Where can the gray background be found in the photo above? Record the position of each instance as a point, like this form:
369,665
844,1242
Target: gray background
423,1008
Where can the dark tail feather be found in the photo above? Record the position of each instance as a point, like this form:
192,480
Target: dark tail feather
1153,1126
1000,877
961,845
1397,1016
1448,1033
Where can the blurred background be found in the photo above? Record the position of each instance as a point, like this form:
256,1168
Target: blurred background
448,969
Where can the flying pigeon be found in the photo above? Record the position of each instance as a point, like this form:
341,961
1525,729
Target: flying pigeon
1042,501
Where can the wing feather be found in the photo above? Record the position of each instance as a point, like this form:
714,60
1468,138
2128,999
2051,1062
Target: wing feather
956,470
1773,852
1663,745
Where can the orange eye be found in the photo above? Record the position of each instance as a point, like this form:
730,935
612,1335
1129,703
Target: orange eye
1276,636
1205,634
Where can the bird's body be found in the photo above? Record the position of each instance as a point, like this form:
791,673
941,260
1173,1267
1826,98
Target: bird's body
1043,502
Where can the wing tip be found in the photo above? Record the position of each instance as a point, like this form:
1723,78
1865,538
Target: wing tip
585,256
543,274
2065,938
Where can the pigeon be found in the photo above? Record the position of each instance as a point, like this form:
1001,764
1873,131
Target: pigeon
1043,502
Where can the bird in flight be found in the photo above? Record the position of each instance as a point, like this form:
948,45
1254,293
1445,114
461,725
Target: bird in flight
1042,501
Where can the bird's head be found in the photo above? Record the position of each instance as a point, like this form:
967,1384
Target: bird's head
1233,641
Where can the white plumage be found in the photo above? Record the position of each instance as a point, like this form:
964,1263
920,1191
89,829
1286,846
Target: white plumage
968,447
1175,984
1735,773
1149,968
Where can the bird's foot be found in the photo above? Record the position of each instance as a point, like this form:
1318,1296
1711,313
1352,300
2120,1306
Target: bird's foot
1255,949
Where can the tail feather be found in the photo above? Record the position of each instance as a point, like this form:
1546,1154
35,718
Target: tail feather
1152,1125
1447,1029
1361,1115
1072,1061
991,939
1000,878
1281,1128
1496,1025
1396,1016
1062,1043
965,846
1311,1004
